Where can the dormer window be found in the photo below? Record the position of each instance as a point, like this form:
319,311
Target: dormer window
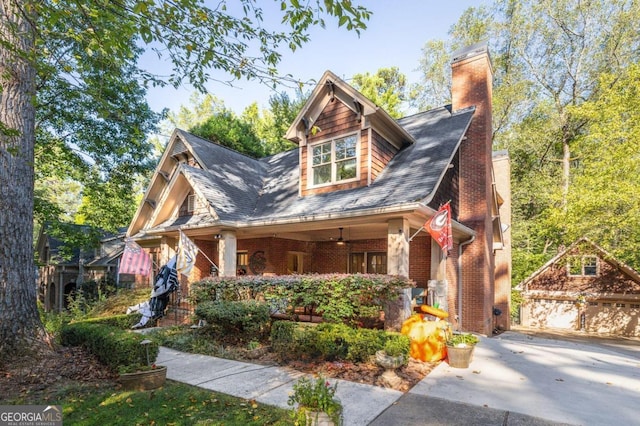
334,161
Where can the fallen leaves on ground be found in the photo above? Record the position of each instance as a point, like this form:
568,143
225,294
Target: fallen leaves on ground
29,379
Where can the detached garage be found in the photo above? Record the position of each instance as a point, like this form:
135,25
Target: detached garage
583,288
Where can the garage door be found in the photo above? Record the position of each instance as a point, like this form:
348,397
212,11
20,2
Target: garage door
619,318
549,313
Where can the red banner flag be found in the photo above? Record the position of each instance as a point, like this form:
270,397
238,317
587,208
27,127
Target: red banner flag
439,226
134,259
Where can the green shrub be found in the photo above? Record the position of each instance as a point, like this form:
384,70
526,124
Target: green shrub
248,319
331,341
113,346
189,340
397,344
341,298
283,337
53,321
364,343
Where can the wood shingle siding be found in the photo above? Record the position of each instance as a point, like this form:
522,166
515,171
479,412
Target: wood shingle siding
381,153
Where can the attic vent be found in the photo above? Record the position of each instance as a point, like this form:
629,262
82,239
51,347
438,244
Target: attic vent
191,203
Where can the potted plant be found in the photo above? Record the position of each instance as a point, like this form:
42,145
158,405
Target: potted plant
460,349
392,356
316,402
141,376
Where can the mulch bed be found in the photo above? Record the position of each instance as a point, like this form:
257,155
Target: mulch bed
27,380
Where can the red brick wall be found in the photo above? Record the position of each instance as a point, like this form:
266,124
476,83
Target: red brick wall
420,260
321,257
452,289
472,86
502,174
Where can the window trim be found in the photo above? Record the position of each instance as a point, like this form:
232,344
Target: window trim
582,259
299,255
310,171
365,259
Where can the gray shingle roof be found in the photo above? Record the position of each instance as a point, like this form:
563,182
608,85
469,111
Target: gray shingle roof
240,188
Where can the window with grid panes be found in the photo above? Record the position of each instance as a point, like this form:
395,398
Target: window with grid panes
334,161
368,263
580,266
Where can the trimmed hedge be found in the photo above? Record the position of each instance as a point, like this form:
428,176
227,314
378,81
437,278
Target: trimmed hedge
332,341
113,346
247,318
347,298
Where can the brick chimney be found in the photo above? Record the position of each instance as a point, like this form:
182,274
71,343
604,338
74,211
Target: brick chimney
472,87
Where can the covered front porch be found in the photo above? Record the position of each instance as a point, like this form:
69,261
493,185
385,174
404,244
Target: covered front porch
377,244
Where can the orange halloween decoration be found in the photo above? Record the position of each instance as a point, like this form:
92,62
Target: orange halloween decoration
427,338
439,313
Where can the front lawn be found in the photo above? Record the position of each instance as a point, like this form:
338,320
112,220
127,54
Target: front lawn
173,404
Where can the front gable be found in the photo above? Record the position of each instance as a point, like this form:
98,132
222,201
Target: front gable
182,198
583,268
168,188
345,140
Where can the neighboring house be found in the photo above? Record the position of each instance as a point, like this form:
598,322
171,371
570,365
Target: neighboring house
350,197
60,276
583,288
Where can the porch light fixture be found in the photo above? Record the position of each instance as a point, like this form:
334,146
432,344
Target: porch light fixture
340,239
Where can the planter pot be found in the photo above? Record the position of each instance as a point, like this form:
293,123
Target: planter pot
318,418
144,380
460,356
389,362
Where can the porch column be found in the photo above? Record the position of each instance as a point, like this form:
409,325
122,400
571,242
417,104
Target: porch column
228,247
437,285
60,306
398,264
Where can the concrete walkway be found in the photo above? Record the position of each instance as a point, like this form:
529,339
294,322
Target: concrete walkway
270,385
514,379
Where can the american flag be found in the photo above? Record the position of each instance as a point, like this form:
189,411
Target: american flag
134,259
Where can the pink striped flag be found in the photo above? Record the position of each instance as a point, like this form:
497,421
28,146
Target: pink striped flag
134,259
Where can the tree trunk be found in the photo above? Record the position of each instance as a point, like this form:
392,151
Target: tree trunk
20,326
566,165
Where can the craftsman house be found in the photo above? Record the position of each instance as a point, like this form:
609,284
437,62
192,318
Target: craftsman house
583,288
350,197
63,272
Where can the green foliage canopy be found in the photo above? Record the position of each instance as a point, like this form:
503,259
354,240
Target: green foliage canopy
386,88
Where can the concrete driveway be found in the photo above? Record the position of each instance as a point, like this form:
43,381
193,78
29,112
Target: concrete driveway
564,379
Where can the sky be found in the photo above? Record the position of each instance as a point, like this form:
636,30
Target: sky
395,35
